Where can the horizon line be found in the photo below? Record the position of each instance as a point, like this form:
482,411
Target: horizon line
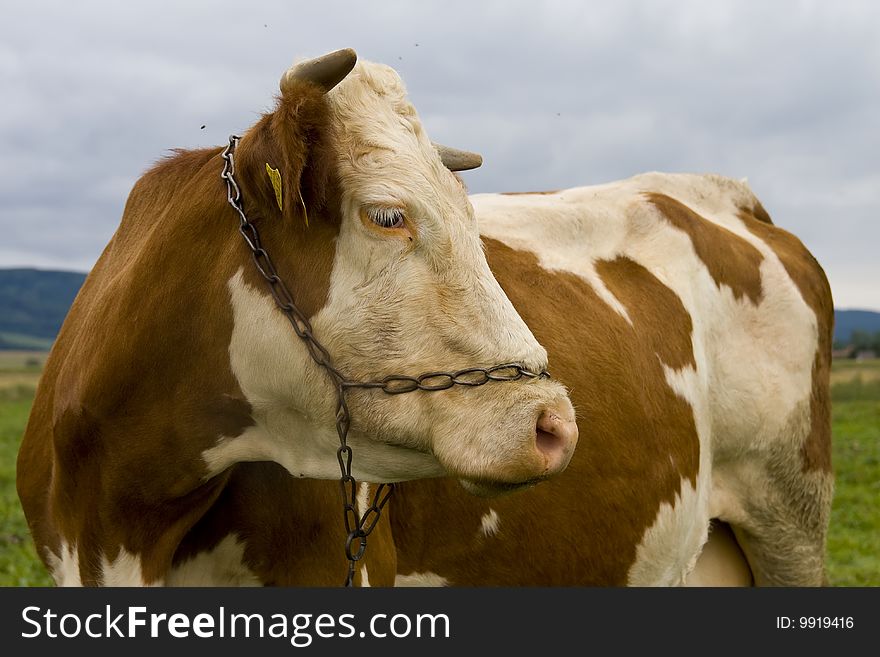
85,273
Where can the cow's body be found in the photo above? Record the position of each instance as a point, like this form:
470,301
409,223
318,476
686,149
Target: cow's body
177,403
694,338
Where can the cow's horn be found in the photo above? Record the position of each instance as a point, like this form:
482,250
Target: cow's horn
456,160
326,71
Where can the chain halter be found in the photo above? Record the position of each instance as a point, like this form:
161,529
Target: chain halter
357,527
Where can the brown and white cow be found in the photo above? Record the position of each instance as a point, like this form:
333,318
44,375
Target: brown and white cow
694,337
177,401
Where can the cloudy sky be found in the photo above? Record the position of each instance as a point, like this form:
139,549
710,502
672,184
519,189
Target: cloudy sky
553,94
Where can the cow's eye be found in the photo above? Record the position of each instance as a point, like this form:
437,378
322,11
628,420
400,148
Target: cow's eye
386,217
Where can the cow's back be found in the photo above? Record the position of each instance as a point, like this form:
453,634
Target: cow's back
694,337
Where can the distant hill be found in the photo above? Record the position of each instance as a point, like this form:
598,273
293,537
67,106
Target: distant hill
33,304
847,321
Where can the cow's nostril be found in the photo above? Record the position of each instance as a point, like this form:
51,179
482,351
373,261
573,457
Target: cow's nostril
555,439
546,441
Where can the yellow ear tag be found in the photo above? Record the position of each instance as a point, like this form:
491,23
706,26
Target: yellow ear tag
275,177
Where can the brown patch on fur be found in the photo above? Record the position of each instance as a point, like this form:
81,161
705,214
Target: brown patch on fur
731,260
810,279
296,541
292,139
662,319
638,440
139,383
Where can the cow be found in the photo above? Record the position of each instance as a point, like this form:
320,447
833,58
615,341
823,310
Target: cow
694,337
182,428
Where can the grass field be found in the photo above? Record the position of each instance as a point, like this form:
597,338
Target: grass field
19,374
853,542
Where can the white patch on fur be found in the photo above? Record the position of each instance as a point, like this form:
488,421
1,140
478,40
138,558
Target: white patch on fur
125,570
556,237
277,377
669,548
64,567
363,503
690,384
490,523
421,579
223,565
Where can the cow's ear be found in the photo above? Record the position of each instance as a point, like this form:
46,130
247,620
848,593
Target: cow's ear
283,159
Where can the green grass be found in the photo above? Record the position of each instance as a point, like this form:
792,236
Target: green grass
19,565
854,535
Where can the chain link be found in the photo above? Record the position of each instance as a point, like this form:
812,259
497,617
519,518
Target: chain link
357,526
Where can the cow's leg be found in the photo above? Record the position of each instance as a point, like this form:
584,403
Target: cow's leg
786,547
779,514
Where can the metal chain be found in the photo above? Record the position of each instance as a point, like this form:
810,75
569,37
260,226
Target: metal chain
357,526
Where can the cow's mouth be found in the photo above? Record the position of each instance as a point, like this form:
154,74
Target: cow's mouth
485,488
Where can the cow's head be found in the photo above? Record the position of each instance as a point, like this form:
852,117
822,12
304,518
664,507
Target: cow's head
378,241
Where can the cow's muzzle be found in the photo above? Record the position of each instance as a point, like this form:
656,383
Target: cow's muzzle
548,453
